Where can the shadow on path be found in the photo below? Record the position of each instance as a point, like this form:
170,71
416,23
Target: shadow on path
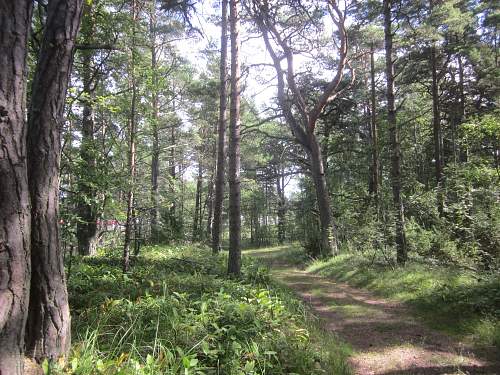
385,337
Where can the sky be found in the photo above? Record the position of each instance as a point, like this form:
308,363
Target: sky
252,52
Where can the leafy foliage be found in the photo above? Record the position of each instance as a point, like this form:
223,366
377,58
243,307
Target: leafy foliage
177,313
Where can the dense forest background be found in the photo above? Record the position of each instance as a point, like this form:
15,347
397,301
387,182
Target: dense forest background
365,127
129,71
450,214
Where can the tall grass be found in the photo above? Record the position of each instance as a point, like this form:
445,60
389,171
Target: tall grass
177,313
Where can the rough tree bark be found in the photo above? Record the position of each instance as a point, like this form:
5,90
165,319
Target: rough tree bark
48,333
394,137
234,260
328,240
15,20
221,141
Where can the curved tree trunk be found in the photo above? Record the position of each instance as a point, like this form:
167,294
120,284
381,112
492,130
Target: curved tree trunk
15,20
302,121
48,332
221,149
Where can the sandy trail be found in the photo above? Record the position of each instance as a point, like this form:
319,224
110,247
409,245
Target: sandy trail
385,338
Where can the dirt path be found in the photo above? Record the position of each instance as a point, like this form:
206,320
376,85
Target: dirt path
384,336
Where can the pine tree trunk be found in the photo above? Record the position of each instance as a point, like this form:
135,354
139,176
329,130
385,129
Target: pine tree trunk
375,169
252,224
234,260
281,209
137,231
197,207
86,229
130,195
437,132
15,21
174,225
48,332
209,203
301,120
155,157
394,137
328,240
131,151
464,154
155,194
326,143
266,213
221,149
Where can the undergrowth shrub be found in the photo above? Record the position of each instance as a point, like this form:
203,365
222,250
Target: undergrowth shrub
177,313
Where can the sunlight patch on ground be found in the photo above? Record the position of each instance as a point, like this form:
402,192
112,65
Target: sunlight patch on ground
411,359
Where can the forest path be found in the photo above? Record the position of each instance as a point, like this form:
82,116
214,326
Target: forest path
385,337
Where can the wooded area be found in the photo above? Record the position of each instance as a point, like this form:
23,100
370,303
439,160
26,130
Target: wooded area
158,139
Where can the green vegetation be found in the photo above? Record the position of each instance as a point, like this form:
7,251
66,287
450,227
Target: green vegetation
458,301
369,129
177,313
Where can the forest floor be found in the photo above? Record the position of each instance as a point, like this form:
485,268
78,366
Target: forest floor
385,336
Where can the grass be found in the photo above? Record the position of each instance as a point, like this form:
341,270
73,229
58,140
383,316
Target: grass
459,302
177,313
